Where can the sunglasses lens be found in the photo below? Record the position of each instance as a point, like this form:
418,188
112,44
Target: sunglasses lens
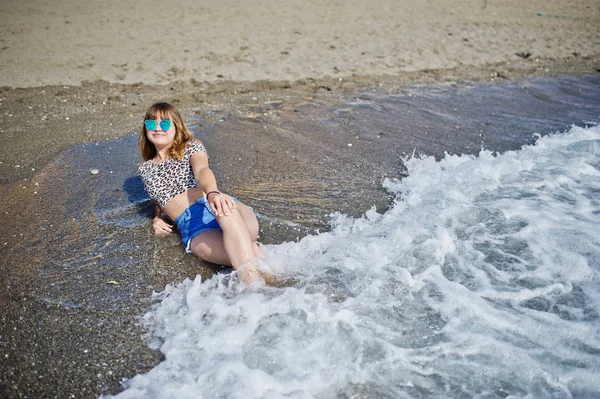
165,124
150,124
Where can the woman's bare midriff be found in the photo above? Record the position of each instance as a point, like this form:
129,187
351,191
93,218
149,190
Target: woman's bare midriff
182,201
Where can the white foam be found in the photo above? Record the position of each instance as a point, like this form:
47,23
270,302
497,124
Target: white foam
481,280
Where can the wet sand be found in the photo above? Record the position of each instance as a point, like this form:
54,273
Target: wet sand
37,123
78,262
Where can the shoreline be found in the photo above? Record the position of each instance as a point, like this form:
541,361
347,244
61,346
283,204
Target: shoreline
73,115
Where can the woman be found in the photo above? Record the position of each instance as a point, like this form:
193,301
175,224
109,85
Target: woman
213,226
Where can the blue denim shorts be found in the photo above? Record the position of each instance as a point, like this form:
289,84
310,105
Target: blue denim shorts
196,219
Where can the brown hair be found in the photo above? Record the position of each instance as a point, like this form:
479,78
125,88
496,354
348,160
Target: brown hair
182,133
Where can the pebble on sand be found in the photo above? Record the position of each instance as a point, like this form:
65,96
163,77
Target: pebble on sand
94,171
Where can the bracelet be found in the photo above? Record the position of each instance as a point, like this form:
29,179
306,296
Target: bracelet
212,192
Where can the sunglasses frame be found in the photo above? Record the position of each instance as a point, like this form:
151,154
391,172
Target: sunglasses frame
164,124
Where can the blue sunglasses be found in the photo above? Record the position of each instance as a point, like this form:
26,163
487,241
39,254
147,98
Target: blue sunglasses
165,124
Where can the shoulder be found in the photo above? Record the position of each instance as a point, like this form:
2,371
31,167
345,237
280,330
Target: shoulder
193,146
143,166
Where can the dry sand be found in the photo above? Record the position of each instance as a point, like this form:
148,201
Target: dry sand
157,42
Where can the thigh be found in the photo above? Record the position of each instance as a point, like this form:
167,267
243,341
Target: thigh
209,246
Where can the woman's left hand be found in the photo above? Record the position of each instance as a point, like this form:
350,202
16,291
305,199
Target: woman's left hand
221,204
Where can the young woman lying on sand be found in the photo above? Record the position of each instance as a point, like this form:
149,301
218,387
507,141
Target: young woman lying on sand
214,226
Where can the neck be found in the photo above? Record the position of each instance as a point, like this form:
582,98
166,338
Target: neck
162,153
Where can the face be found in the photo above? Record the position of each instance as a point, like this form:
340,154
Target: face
158,136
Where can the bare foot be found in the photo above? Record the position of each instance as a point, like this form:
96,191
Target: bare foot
249,273
278,282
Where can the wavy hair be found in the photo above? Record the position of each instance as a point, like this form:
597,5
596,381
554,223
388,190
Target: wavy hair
182,133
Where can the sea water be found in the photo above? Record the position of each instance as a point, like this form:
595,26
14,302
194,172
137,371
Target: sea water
481,280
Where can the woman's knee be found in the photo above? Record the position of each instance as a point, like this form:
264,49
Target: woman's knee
243,218
209,247
202,251
231,223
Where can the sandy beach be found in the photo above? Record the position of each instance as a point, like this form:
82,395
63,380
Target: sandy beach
76,77
66,42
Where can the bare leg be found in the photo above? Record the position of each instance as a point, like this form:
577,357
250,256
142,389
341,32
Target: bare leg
235,244
252,223
210,247
250,220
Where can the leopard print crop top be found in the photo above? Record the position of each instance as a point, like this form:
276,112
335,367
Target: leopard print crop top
165,180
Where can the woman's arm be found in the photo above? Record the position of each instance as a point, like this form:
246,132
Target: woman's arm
159,226
221,204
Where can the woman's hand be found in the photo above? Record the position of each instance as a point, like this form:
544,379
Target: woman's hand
221,204
161,228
